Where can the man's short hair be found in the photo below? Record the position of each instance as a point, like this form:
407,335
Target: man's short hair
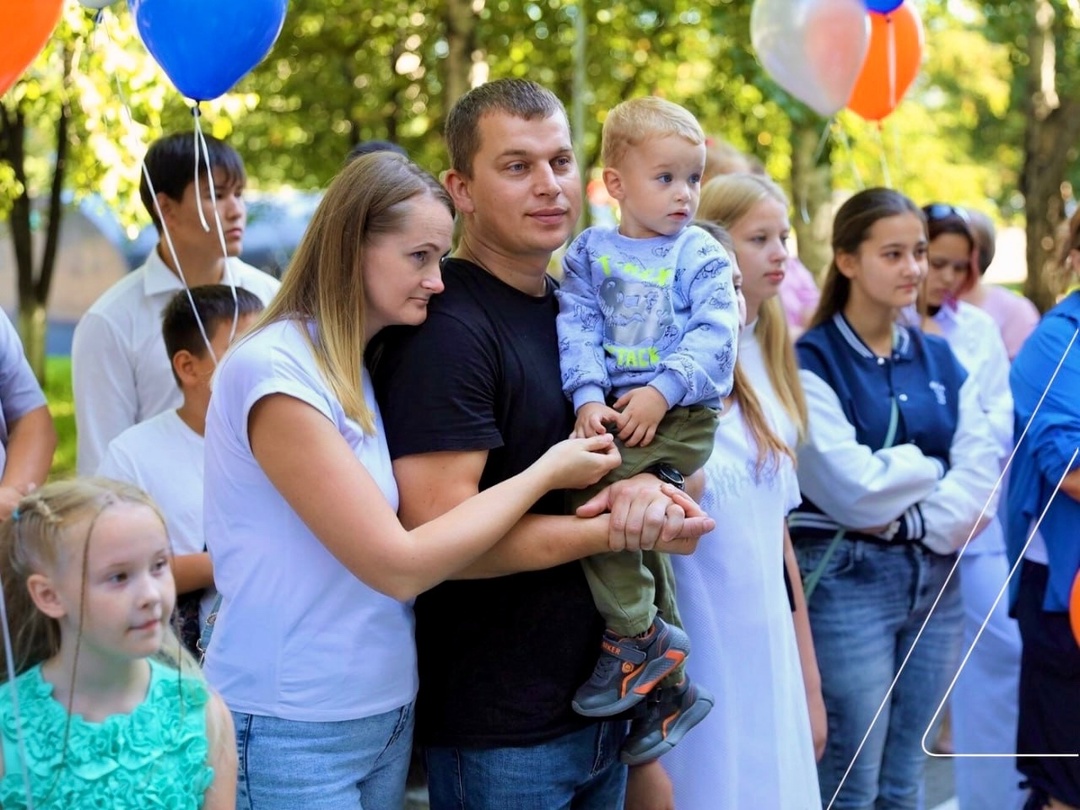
516,97
367,147
640,119
170,162
216,308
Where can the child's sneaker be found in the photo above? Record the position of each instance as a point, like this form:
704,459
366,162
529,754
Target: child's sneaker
629,668
669,714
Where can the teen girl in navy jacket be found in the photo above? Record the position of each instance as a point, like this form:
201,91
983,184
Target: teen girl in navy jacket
894,474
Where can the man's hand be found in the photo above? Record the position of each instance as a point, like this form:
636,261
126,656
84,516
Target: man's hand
591,420
647,515
640,413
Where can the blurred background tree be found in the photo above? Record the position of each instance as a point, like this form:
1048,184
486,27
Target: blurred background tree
991,122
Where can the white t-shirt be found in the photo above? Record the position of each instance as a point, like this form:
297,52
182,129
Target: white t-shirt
298,636
19,390
164,457
976,341
755,747
120,371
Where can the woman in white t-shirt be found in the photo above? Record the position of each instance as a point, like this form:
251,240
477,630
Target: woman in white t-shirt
313,647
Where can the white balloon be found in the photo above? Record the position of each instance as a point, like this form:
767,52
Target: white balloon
96,3
814,49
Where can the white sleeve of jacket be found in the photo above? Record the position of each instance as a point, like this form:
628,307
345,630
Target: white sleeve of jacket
951,513
855,486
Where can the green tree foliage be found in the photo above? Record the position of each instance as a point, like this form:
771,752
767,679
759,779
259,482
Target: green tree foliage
1042,38
344,71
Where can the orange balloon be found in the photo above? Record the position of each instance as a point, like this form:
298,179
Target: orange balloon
892,62
1074,608
27,25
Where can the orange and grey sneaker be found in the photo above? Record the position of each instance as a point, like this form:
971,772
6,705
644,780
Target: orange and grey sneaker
630,668
669,713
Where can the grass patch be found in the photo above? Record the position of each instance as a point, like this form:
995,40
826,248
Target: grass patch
62,407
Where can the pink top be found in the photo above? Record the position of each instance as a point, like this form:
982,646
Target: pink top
799,295
1015,316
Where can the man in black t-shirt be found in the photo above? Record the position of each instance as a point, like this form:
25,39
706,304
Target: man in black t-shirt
468,399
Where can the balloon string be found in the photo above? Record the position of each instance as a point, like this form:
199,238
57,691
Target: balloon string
884,157
227,277
804,212
890,41
19,736
851,159
172,254
824,139
130,119
209,177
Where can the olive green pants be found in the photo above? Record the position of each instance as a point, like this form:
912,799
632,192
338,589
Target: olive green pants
630,587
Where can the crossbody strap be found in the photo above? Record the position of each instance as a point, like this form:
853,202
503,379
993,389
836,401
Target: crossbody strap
810,583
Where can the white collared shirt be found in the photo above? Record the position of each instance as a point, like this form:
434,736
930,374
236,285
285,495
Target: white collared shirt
976,341
120,371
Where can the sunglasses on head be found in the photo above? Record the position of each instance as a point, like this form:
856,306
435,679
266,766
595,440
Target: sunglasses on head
938,211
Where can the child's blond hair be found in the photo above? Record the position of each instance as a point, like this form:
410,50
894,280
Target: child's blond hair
637,120
36,538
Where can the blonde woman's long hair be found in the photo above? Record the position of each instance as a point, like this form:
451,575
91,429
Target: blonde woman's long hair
770,447
725,200
325,280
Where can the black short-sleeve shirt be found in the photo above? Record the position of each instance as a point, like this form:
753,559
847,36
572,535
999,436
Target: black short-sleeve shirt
499,659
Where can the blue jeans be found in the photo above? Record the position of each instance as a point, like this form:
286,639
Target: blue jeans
578,771
865,614
354,764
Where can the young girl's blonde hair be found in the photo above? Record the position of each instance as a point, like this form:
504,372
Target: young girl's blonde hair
725,200
770,446
41,532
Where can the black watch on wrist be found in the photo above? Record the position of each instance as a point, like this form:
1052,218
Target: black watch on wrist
669,475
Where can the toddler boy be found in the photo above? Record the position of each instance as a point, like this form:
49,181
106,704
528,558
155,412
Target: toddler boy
647,328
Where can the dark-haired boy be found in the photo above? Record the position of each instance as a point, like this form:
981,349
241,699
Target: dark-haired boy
164,454
120,372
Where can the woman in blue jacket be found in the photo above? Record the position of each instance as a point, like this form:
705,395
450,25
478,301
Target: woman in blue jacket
894,474
1045,477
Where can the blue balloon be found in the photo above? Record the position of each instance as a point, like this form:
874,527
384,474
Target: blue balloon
883,6
207,46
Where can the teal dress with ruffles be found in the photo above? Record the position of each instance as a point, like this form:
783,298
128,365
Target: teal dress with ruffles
155,757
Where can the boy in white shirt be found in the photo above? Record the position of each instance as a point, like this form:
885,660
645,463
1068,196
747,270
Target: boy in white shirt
120,373
164,455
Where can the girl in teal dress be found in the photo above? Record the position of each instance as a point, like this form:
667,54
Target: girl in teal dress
101,708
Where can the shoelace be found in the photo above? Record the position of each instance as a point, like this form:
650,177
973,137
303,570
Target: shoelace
606,667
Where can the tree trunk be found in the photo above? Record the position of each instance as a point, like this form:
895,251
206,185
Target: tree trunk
1052,130
34,280
460,43
31,323
811,187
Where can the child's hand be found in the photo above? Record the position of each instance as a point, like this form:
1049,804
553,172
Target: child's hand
577,463
642,409
591,418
